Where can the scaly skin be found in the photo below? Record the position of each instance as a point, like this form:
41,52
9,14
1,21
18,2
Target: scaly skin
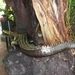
50,50
42,51
22,40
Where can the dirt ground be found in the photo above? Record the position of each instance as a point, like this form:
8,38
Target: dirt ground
3,52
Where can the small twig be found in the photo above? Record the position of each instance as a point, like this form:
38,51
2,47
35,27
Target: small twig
37,28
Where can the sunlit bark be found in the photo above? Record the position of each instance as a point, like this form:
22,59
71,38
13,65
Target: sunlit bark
50,14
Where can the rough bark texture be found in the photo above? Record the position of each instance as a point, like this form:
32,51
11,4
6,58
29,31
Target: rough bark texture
18,63
50,14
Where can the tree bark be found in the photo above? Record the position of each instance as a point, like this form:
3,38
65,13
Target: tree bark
50,15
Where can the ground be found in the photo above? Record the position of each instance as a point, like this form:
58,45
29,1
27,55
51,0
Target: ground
3,52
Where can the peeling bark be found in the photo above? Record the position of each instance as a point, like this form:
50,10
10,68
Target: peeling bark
50,15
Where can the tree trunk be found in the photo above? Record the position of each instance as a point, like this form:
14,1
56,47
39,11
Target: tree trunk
50,14
25,18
